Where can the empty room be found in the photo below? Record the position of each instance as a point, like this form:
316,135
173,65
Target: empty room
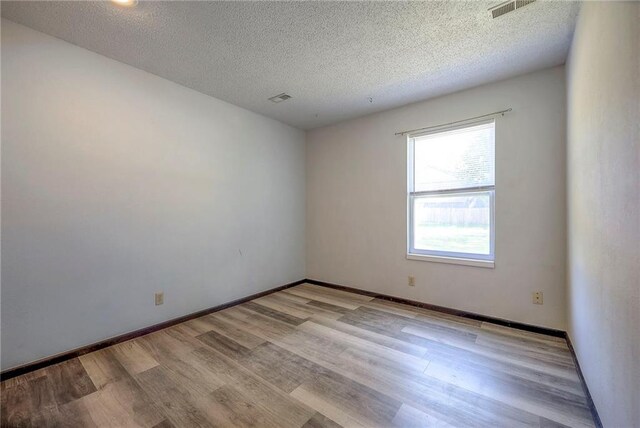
315,214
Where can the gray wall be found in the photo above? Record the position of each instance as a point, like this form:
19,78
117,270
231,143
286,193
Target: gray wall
603,80
117,184
356,203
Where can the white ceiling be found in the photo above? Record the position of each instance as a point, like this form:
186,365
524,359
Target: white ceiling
331,57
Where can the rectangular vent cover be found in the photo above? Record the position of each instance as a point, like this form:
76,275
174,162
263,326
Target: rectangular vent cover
507,7
280,98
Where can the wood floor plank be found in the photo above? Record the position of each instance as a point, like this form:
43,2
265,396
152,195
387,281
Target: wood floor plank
16,409
74,414
43,402
25,378
313,344
47,412
234,333
325,298
419,312
320,421
315,310
122,404
191,330
166,346
198,325
334,292
164,424
280,367
230,408
256,323
339,310
133,357
287,307
409,417
192,375
291,297
70,381
384,306
546,423
277,315
342,417
369,406
178,404
379,363
103,367
223,344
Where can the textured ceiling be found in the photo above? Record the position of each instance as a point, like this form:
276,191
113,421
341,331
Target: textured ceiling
331,57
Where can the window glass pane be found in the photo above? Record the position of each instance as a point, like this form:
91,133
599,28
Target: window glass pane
455,159
453,223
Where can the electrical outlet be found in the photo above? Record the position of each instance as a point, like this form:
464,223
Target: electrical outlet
159,298
412,281
537,297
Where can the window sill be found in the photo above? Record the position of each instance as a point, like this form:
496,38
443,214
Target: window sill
452,260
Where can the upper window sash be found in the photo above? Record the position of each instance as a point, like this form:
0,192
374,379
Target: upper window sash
443,166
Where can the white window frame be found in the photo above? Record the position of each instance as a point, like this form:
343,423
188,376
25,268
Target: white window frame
470,259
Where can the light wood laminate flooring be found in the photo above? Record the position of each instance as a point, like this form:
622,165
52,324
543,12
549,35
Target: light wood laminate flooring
311,356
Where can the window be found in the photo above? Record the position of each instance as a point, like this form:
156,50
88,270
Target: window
451,194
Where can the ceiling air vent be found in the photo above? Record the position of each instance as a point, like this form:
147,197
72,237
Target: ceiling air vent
507,7
280,98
